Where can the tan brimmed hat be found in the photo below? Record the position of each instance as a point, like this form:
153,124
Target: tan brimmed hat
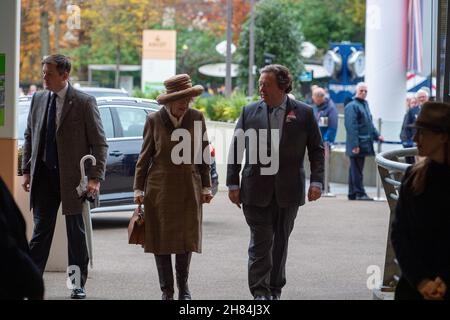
179,87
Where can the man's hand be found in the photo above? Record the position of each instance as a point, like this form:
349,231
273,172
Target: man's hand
314,193
381,138
234,196
355,150
206,198
93,187
26,182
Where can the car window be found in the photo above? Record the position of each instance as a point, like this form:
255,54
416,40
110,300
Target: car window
132,121
23,110
99,94
105,115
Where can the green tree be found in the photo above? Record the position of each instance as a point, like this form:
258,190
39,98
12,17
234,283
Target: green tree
277,33
194,49
324,21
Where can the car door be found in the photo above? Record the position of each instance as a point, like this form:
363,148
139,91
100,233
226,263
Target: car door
124,151
108,127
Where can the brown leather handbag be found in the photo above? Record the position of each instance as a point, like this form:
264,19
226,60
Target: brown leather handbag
136,227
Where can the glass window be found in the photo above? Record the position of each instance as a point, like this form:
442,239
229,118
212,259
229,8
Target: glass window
105,114
22,115
132,121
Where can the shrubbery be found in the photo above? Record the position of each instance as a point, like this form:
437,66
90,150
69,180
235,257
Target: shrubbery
214,107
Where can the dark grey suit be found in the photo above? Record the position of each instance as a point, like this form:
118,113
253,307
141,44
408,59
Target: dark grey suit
271,202
80,132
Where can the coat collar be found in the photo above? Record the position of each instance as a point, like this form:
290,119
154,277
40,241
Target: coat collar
168,123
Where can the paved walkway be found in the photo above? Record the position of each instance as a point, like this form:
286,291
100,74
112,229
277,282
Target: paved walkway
333,243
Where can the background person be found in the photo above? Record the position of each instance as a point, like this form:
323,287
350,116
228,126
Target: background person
361,134
408,131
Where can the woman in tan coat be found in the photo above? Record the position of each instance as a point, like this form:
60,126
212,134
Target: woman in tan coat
173,180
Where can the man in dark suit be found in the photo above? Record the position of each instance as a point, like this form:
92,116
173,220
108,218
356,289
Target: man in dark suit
63,125
20,277
272,191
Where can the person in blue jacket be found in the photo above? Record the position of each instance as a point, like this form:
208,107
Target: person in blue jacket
420,231
361,134
326,115
408,131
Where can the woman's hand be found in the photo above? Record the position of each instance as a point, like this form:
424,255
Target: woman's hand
432,289
206,198
139,199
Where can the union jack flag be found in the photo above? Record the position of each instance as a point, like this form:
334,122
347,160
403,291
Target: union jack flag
415,36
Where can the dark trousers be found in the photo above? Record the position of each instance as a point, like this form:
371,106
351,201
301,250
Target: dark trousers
355,177
46,201
270,228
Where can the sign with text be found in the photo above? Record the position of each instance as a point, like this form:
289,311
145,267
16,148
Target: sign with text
159,52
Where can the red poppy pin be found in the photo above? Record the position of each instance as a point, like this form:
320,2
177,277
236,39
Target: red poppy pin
291,116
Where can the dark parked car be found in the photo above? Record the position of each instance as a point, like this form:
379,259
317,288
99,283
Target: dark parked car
123,121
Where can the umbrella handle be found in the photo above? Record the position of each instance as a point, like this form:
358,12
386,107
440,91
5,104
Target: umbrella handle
86,157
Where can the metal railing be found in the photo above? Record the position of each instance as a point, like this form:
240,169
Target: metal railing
391,171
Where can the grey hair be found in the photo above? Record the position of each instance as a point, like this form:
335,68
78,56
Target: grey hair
360,84
319,92
421,91
282,74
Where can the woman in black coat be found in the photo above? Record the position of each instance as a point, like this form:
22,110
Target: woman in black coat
19,277
421,228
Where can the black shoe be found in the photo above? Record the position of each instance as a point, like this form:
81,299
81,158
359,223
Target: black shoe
78,293
261,298
351,197
167,296
275,297
184,296
364,197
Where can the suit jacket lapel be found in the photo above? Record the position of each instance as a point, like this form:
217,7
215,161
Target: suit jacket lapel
289,108
262,115
68,104
44,107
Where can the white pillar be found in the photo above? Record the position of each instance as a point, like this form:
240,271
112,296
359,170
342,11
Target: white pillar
386,36
9,84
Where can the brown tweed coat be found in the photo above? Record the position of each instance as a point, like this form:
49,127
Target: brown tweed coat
173,192
80,132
